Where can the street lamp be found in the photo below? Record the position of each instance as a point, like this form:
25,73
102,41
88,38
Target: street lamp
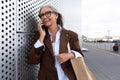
108,31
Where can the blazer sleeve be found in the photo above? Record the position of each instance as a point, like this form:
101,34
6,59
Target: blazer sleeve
74,43
35,54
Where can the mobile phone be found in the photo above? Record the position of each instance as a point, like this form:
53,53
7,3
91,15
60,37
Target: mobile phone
43,27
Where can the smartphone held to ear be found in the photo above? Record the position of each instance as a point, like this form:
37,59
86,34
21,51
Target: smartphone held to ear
43,27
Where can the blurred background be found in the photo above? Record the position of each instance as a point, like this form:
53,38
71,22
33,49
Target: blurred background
95,20
101,20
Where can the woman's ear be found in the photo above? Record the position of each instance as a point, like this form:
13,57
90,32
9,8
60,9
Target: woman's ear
56,16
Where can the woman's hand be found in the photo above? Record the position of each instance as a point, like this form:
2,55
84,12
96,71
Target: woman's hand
63,57
41,31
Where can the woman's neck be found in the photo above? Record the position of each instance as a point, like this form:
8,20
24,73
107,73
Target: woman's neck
53,29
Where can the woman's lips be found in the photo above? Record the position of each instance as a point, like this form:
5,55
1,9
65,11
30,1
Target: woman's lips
45,21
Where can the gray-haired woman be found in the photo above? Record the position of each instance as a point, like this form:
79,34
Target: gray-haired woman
50,47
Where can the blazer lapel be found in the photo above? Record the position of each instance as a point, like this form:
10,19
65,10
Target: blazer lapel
64,39
48,43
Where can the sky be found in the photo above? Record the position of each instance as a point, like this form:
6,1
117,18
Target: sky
96,18
71,13
100,18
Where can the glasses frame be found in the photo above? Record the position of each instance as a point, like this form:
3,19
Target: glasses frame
47,14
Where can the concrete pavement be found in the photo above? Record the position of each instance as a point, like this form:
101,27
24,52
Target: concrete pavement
104,64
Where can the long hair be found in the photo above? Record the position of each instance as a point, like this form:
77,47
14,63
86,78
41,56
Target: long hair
60,18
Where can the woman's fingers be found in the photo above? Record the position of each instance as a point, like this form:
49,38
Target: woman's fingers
63,57
40,24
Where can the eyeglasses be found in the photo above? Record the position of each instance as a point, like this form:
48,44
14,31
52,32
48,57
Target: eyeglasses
47,14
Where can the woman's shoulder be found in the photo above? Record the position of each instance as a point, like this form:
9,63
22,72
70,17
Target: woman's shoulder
71,33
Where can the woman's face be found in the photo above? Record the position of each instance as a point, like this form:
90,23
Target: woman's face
48,16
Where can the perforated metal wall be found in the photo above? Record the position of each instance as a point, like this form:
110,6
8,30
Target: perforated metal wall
26,71
18,21
7,40
27,13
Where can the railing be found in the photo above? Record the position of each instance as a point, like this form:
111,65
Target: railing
103,45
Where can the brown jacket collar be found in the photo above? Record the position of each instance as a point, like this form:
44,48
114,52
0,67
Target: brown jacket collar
64,38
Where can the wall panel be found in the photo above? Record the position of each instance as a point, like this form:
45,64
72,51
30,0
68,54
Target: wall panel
8,40
18,22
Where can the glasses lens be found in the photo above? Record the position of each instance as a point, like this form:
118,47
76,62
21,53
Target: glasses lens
48,14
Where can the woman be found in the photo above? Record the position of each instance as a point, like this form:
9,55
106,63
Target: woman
50,47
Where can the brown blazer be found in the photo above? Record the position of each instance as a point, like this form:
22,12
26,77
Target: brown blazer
45,56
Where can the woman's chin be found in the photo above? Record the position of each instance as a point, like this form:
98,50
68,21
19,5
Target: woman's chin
48,25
